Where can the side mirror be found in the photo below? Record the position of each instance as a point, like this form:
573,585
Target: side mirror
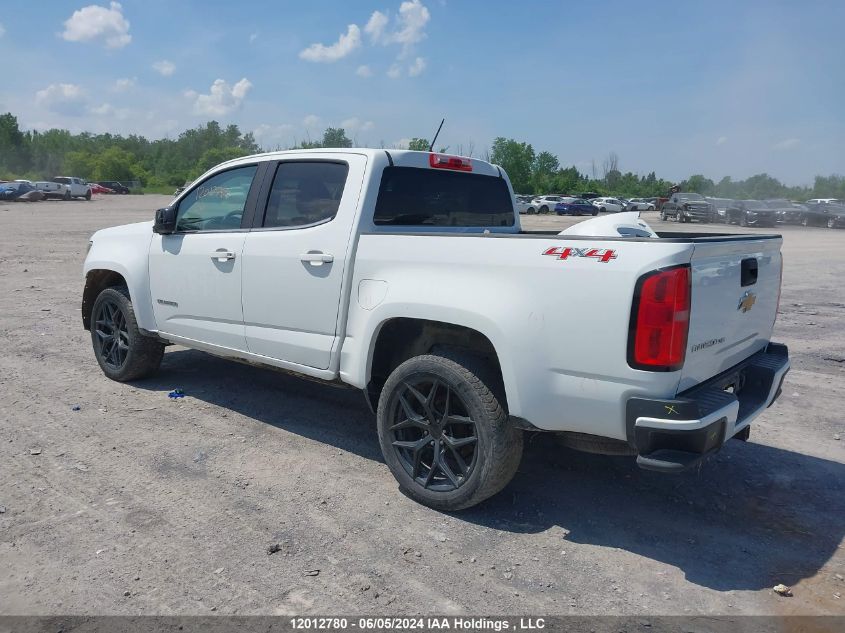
165,221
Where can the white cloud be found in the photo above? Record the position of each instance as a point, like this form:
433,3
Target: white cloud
417,67
253,37
103,109
788,143
346,43
271,136
408,27
354,125
95,22
394,72
2,30
108,110
413,17
164,68
67,99
124,84
721,140
311,120
364,71
222,99
376,25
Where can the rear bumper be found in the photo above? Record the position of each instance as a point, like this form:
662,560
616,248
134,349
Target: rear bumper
676,434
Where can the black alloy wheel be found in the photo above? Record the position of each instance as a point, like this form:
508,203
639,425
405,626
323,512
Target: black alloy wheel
432,434
112,334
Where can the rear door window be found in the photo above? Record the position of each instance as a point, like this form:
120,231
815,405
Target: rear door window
305,193
410,196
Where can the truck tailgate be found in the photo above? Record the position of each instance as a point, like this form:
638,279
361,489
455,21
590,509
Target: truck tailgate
735,292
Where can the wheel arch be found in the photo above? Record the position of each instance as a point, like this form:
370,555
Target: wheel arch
397,339
96,281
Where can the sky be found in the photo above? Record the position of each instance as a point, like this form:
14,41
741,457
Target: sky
717,88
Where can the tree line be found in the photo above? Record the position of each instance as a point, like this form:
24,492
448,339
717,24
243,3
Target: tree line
164,163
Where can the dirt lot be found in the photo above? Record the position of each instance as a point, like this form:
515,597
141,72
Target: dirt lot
139,504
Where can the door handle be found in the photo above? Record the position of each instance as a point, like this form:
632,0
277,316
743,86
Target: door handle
317,258
222,255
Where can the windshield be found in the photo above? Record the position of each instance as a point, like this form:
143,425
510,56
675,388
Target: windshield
778,204
690,196
410,196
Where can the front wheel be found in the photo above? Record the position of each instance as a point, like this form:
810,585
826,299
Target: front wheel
743,220
444,433
66,196
595,212
831,223
122,352
544,209
88,195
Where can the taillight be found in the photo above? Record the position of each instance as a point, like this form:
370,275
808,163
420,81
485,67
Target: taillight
657,338
442,161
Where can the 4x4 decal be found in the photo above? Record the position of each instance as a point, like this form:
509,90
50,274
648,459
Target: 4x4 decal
604,255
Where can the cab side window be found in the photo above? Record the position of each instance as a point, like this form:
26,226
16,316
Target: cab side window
217,204
305,193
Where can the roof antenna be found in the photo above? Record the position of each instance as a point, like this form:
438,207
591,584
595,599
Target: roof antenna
431,147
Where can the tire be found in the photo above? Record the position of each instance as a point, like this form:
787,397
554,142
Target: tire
416,393
67,195
831,223
663,216
88,195
805,221
544,209
743,221
603,210
532,211
595,213
141,355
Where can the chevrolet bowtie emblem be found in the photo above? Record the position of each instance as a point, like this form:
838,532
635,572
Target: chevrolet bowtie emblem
747,301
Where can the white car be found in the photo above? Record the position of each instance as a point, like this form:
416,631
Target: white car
406,275
612,205
524,205
638,204
546,204
824,201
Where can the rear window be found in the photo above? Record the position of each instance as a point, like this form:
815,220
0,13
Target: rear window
410,196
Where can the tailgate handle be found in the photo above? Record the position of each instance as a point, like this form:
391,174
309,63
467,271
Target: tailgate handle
748,274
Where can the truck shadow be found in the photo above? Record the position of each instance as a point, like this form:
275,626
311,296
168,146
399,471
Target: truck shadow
749,518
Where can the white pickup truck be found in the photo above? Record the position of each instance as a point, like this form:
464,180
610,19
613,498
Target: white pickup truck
406,275
65,187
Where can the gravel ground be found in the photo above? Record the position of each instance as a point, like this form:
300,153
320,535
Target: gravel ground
136,504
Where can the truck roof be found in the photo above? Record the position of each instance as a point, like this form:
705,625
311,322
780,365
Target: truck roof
398,157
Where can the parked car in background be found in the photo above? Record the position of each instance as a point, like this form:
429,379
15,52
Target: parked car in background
751,213
721,206
20,191
575,206
639,204
78,188
98,188
543,204
182,188
829,214
786,212
611,205
523,204
825,201
114,186
687,207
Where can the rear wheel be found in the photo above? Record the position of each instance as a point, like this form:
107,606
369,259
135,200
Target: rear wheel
663,216
66,196
831,223
544,209
743,220
88,195
122,352
444,433
595,212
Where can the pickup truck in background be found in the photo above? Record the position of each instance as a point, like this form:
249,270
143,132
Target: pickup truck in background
54,190
76,187
406,275
688,207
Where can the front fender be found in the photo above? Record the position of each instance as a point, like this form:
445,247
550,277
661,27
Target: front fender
125,250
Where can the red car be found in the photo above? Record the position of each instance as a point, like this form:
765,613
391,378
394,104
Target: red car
95,188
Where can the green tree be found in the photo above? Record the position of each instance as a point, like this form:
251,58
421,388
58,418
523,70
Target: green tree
517,159
335,137
418,144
